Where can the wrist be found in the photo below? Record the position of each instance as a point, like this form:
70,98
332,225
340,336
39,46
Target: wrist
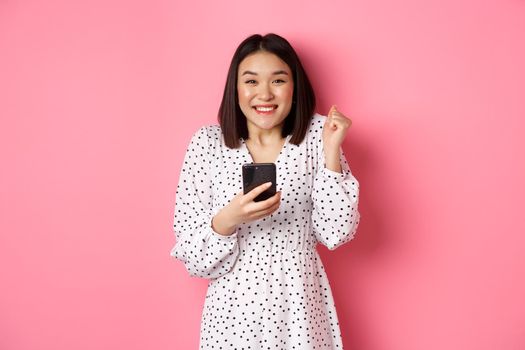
332,160
331,150
222,224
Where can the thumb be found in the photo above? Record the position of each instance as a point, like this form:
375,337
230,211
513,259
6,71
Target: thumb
332,110
329,122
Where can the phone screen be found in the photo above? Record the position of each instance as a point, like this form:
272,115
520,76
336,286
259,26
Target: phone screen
255,174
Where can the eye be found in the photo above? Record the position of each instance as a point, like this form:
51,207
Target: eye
279,81
251,81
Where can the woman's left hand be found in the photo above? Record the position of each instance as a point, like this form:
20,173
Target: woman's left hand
334,130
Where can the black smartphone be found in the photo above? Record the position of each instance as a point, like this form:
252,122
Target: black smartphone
255,174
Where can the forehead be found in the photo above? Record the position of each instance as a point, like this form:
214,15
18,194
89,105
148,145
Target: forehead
262,62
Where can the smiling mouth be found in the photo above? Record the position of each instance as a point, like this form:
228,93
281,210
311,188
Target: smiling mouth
265,108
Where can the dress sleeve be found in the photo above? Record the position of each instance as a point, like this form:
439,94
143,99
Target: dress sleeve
204,252
335,197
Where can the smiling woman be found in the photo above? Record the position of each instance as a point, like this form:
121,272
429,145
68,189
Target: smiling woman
265,89
264,71
267,285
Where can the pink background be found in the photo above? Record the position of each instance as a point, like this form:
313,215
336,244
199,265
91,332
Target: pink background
98,100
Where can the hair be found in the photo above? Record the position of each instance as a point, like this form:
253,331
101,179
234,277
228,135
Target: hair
233,121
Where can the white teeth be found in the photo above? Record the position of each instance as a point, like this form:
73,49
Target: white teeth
264,109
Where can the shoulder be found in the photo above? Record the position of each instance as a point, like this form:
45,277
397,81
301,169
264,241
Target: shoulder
206,140
209,134
315,129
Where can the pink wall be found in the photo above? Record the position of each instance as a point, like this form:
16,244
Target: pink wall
98,100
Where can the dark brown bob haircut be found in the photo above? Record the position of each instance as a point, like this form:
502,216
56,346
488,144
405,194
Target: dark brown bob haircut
231,118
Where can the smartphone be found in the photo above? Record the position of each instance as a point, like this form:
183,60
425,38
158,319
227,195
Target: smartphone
255,174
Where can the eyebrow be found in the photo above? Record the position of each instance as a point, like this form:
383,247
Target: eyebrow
274,73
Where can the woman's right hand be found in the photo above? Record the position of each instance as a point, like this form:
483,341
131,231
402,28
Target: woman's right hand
243,209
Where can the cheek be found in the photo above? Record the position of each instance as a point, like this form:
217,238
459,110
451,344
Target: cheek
244,98
243,94
287,94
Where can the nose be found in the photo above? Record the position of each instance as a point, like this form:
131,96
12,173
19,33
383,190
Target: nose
265,92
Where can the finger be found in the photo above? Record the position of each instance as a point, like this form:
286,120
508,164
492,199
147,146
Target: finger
335,125
332,110
266,212
250,196
265,204
329,122
341,122
337,114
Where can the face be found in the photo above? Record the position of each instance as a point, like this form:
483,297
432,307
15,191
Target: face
265,90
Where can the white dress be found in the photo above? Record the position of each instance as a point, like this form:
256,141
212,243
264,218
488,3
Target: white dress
267,285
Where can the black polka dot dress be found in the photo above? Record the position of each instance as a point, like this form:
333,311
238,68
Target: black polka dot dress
267,285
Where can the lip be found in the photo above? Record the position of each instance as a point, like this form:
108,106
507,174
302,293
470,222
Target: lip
265,112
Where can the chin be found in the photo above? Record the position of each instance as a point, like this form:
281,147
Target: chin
269,126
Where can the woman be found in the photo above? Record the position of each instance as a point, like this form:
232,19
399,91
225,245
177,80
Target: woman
267,285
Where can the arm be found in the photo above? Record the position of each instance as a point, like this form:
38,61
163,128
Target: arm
204,252
335,197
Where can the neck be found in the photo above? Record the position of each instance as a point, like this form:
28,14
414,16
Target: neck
263,137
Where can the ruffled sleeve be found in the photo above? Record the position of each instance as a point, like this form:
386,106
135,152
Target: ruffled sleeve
335,197
204,252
